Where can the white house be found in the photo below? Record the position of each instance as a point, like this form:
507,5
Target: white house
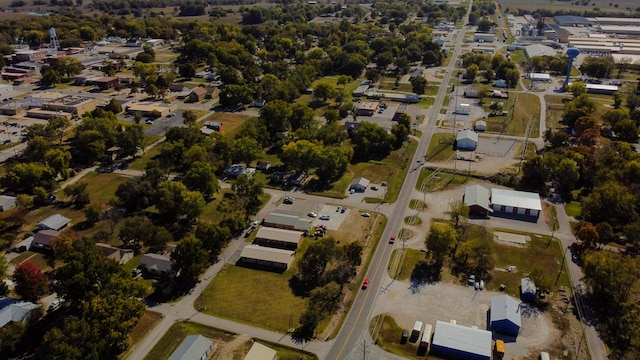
519,203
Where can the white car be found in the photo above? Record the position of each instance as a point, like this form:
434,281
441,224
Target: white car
365,214
324,217
311,214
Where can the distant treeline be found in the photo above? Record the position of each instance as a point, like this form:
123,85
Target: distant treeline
586,13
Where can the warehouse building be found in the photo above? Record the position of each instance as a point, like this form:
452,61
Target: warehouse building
539,50
516,204
483,37
466,140
278,238
267,257
570,20
505,315
453,341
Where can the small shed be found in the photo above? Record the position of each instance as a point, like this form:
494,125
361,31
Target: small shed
481,125
466,139
505,315
359,184
261,352
500,83
194,347
477,199
527,290
53,222
7,202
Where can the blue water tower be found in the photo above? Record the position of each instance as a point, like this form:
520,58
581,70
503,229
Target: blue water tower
572,53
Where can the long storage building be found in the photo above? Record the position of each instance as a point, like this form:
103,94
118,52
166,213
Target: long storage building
453,341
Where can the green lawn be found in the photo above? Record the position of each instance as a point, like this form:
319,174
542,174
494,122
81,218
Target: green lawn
573,208
232,122
440,181
440,147
147,322
411,258
521,108
391,169
427,102
416,204
246,295
384,329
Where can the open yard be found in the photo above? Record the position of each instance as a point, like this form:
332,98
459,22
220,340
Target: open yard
521,109
607,6
231,122
440,147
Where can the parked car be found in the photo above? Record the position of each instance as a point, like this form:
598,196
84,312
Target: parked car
324,217
365,214
365,284
338,209
342,211
375,188
311,214
288,200
472,279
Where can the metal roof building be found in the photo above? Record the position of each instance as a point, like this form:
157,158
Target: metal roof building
570,20
505,315
359,184
260,352
287,220
519,203
194,347
477,198
54,222
452,341
620,29
539,50
466,140
269,257
279,238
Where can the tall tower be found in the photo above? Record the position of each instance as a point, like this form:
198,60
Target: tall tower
572,53
54,43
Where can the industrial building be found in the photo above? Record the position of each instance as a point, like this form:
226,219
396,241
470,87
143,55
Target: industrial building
268,257
278,238
570,20
367,108
505,315
539,50
476,197
484,37
72,104
453,341
519,204
151,109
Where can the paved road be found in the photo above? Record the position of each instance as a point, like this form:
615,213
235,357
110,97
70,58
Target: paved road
354,333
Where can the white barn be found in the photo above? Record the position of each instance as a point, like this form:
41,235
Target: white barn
466,139
519,203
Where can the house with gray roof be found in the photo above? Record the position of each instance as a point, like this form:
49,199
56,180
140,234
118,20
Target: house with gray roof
15,310
156,263
7,202
53,222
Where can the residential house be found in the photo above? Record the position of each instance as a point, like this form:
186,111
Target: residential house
15,310
43,240
198,94
476,197
121,256
156,264
54,222
7,202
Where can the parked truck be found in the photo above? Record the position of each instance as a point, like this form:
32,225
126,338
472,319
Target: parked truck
426,337
415,333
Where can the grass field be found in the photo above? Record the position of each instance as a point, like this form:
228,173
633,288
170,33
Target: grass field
440,147
573,208
387,333
148,321
391,169
411,258
243,294
438,182
524,106
232,122
555,109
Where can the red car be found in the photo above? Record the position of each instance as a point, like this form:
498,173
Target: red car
365,283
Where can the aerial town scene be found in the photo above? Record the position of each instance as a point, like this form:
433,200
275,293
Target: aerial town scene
270,179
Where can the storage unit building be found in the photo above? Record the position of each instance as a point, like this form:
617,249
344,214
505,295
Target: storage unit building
505,315
278,238
452,341
272,258
287,220
522,204
359,184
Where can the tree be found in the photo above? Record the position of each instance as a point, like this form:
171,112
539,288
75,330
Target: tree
114,106
485,25
93,213
371,141
248,193
344,80
301,154
471,72
275,115
58,160
187,70
189,118
68,66
174,202
189,259
246,149
612,203
4,289
313,263
331,115
577,88
419,85
213,237
30,282
58,125
627,130
200,177
589,236
78,193
458,210
440,241
323,91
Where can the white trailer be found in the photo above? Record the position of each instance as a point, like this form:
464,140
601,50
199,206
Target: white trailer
415,333
426,336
